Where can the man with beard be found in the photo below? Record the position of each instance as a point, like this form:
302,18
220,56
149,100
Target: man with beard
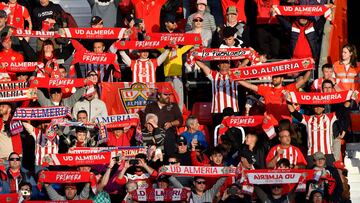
275,100
169,116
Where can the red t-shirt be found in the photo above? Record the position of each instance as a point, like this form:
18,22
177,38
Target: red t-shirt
275,100
302,47
149,11
17,15
123,140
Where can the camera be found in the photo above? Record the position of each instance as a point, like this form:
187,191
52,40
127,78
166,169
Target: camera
134,162
25,192
117,158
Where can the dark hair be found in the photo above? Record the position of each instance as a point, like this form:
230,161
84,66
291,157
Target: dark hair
173,157
141,156
12,153
352,50
23,183
285,124
217,150
327,81
62,67
283,161
42,52
327,65
82,111
80,130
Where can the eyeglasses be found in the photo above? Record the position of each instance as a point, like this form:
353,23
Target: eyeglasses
198,20
14,159
173,162
200,182
181,144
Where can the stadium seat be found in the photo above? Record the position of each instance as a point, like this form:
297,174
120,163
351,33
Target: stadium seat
202,111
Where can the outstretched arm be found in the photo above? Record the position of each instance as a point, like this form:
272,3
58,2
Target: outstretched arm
160,59
248,85
303,80
204,67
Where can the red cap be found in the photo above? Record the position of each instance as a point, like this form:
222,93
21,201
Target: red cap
339,165
165,90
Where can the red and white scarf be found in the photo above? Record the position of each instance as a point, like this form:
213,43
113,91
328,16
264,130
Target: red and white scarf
119,121
57,82
78,159
314,98
15,95
33,33
271,69
42,113
92,33
304,10
278,176
160,195
210,54
20,66
128,152
204,171
125,45
13,85
9,198
67,177
177,38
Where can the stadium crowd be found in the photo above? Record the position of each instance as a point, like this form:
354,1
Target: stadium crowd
63,138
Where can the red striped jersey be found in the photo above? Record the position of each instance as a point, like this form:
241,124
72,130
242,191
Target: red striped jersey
143,70
292,153
224,92
320,133
317,84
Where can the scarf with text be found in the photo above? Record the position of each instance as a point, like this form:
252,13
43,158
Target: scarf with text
125,45
9,198
119,121
177,38
205,171
33,33
59,201
267,123
271,69
78,159
42,113
92,33
210,54
304,10
13,85
162,195
67,177
315,98
279,176
127,152
15,95
18,67
58,82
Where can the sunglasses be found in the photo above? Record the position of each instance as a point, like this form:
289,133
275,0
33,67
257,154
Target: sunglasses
198,20
276,186
200,182
181,144
14,159
173,162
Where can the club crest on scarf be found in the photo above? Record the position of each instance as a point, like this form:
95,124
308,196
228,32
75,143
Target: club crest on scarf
136,97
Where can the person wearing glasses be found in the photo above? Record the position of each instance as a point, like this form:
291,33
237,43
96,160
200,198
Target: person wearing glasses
198,27
199,193
186,181
56,97
183,153
209,20
16,174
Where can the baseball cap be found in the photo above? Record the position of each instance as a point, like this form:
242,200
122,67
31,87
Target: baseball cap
319,155
202,2
170,18
181,139
231,10
3,14
247,154
129,17
164,90
198,15
95,20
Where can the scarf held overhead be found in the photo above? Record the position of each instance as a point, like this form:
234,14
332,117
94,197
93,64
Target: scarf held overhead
125,45
120,151
304,10
313,98
282,176
270,69
13,85
78,159
15,95
20,66
42,113
92,33
119,121
57,82
177,38
87,57
162,195
33,33
209,54
207,171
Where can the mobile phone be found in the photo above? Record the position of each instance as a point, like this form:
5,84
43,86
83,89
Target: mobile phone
134,162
